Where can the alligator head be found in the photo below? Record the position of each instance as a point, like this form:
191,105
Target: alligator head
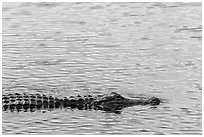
115,101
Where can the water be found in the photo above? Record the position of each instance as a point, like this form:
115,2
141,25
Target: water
77,48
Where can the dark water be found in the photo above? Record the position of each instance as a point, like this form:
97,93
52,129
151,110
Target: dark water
74,48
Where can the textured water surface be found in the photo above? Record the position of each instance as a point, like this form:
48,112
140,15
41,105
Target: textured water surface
66,49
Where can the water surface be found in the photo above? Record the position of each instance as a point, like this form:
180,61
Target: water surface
66,49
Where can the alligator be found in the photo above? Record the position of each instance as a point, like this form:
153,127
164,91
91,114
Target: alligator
111,102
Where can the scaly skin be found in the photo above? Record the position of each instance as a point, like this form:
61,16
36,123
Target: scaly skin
107,102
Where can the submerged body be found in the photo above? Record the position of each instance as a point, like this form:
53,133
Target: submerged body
107,102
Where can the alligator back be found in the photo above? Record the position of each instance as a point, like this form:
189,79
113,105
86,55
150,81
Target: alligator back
17,101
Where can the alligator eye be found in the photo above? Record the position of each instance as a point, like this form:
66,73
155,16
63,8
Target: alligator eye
118,97
155,101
